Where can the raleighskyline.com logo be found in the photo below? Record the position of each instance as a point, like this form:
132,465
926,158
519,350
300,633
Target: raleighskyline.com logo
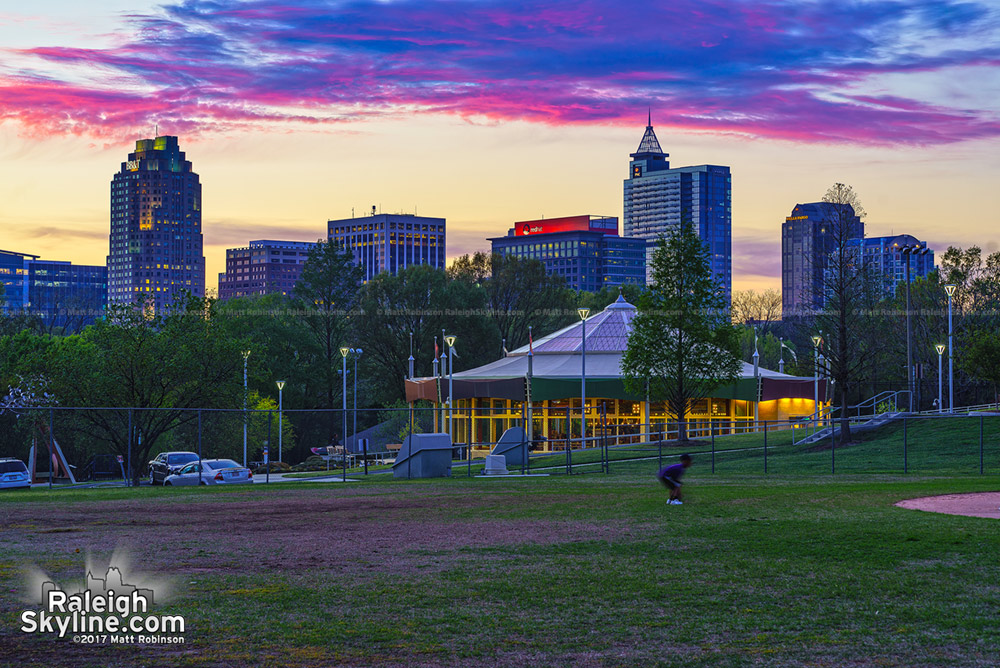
105,611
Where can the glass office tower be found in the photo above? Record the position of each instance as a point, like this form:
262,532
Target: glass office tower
659,198
156,240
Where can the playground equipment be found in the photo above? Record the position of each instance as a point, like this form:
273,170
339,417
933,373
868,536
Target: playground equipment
58,469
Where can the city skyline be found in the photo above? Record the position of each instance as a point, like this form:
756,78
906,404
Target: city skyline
899,102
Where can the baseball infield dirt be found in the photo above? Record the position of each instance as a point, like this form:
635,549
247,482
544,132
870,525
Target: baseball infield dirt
983,504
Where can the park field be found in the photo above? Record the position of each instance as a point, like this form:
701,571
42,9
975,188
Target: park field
583,570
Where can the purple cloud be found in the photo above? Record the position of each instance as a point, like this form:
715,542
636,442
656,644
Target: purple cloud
777,69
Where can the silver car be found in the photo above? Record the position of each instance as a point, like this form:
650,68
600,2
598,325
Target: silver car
211,472
14,474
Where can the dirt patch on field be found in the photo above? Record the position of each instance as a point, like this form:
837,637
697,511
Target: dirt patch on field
322,534
291,530
983,504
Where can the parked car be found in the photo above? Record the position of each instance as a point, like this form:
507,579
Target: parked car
168,463
14,474
211,472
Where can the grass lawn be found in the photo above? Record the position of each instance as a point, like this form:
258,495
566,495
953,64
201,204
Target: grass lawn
589,570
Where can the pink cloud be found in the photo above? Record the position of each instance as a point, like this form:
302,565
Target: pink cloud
777,69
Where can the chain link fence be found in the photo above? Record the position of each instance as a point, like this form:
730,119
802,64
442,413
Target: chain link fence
111,445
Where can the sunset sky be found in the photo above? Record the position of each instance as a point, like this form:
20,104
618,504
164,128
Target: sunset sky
488,111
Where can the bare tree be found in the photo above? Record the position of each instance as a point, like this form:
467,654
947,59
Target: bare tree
762,309
848,295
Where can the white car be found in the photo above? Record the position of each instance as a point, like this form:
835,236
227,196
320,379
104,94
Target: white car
14,474
211,472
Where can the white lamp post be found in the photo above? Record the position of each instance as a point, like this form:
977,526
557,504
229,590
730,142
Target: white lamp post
950,289
940,351
246,354
281,386
584,314
450,340
344,352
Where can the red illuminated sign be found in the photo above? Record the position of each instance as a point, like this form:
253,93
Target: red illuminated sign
607,226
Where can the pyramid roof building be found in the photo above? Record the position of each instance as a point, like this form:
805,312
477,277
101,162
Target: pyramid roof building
552,366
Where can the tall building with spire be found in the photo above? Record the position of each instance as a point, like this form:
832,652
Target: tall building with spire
156,240
658,198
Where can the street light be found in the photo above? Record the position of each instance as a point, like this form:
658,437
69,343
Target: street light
246,354
816,341
281,386
584,314
950,289
344,352
450,340
940,351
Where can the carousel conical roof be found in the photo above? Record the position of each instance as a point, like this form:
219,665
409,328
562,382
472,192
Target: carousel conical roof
607,332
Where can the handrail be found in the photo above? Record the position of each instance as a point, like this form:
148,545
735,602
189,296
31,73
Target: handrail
961,409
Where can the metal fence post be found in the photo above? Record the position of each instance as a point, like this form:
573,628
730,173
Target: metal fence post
468,447
524,437
604,439
659,454
267,445
906,467
52,439
199,447
712,429
833,449
980,445
569,457
131,474
765,446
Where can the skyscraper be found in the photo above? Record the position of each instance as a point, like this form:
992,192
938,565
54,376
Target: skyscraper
391,241
659,198
156,240
806,244
885,257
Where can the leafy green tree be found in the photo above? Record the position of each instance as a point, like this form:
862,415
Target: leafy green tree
682,345
421,300
263,426
327,293
767,345
518,292
165,366
977,280
980,357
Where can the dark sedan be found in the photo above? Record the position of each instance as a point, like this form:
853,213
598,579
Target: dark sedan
168,463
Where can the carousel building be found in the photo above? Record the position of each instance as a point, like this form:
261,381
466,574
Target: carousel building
539,385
